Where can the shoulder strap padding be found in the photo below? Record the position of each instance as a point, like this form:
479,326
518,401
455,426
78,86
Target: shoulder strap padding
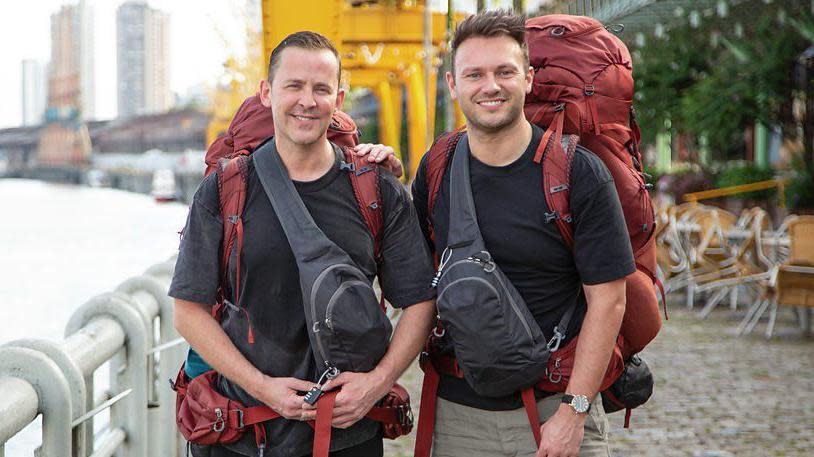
232,174
364,177
437,160
557,160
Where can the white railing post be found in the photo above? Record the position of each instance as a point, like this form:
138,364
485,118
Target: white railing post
162,436
53,395
131,413
76,384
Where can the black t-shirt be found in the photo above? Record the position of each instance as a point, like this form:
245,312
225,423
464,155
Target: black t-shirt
270,288
510,204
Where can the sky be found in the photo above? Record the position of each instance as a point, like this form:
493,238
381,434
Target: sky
203,33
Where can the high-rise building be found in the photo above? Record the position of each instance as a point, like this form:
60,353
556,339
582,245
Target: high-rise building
142,42
71,77
71,88
34,92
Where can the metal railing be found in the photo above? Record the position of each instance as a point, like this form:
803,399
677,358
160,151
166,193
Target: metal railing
740,189
131,329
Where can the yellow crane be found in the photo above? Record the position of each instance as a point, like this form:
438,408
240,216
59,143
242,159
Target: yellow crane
390,47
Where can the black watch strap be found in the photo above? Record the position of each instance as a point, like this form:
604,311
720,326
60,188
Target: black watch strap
568,398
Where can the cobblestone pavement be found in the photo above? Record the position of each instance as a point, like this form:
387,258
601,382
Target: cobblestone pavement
716,395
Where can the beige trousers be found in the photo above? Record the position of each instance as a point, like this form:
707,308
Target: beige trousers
461,431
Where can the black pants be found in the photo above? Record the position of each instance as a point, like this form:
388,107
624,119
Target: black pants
370,448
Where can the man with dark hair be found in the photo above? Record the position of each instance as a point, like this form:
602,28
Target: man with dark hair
490,80
302,91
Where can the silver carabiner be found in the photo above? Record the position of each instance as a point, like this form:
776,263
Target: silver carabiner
220,422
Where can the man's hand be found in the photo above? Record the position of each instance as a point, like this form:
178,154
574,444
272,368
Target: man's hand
280,394
561,435
381,154
360,391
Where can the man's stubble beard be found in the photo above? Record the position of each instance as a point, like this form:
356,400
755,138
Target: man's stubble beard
515,111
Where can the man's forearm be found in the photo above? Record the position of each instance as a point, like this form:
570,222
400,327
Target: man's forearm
606,307
194,322
409,337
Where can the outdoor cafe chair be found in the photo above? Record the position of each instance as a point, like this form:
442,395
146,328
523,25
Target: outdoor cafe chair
791,282
748,267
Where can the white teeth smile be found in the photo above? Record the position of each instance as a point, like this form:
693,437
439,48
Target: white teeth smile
491,102
303,118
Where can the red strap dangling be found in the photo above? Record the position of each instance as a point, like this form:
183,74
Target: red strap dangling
530,403
426,416
322,427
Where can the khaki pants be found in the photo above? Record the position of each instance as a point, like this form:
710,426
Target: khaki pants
461,431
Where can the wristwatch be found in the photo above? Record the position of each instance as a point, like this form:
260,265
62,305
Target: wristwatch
580,403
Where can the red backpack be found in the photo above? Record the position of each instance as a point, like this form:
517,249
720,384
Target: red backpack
583,91
202,414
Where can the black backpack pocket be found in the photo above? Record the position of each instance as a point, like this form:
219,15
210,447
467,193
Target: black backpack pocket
350,328
497,342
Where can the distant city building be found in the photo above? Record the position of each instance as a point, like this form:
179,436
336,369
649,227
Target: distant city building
71,78
71,93
142,43
34,92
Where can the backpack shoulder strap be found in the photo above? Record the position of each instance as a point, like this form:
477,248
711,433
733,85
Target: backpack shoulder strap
364,177
437,160
557,158
232,176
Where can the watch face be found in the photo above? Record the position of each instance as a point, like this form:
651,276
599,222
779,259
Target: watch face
580,403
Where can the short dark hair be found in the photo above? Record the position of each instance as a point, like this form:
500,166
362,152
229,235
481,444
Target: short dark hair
304,40
489,24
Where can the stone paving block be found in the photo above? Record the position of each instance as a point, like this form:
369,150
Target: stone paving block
716,394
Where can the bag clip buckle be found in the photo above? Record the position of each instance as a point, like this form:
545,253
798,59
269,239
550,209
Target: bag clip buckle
554,342
220,422
343,166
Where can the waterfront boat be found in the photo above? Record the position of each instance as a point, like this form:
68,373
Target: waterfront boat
164,188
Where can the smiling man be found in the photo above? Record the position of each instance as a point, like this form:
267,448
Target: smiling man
490,79
261,347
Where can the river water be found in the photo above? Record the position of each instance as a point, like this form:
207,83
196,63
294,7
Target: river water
61,245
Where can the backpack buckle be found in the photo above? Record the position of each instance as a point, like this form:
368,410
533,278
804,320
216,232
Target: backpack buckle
345,166
589,89
240,423
362,170
233,219
559,107
551,217
559,188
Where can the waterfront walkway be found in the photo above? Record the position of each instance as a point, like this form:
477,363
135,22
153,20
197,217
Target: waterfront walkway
716,395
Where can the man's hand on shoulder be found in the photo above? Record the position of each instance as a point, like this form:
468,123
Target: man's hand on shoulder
281,395
381,154
360,392
561,435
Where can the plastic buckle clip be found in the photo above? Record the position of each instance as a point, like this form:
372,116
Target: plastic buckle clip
551,217
345,166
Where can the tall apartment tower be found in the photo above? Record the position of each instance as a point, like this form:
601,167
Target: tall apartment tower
71,77
142,43
34,92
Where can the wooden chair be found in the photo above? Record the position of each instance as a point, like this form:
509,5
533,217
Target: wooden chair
794,281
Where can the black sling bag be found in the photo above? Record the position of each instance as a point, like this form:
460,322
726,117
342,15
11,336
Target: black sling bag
498,343
347,328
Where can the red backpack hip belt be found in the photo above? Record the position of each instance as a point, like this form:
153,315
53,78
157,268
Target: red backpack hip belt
206,417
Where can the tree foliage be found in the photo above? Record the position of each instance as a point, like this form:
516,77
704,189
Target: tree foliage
719,78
